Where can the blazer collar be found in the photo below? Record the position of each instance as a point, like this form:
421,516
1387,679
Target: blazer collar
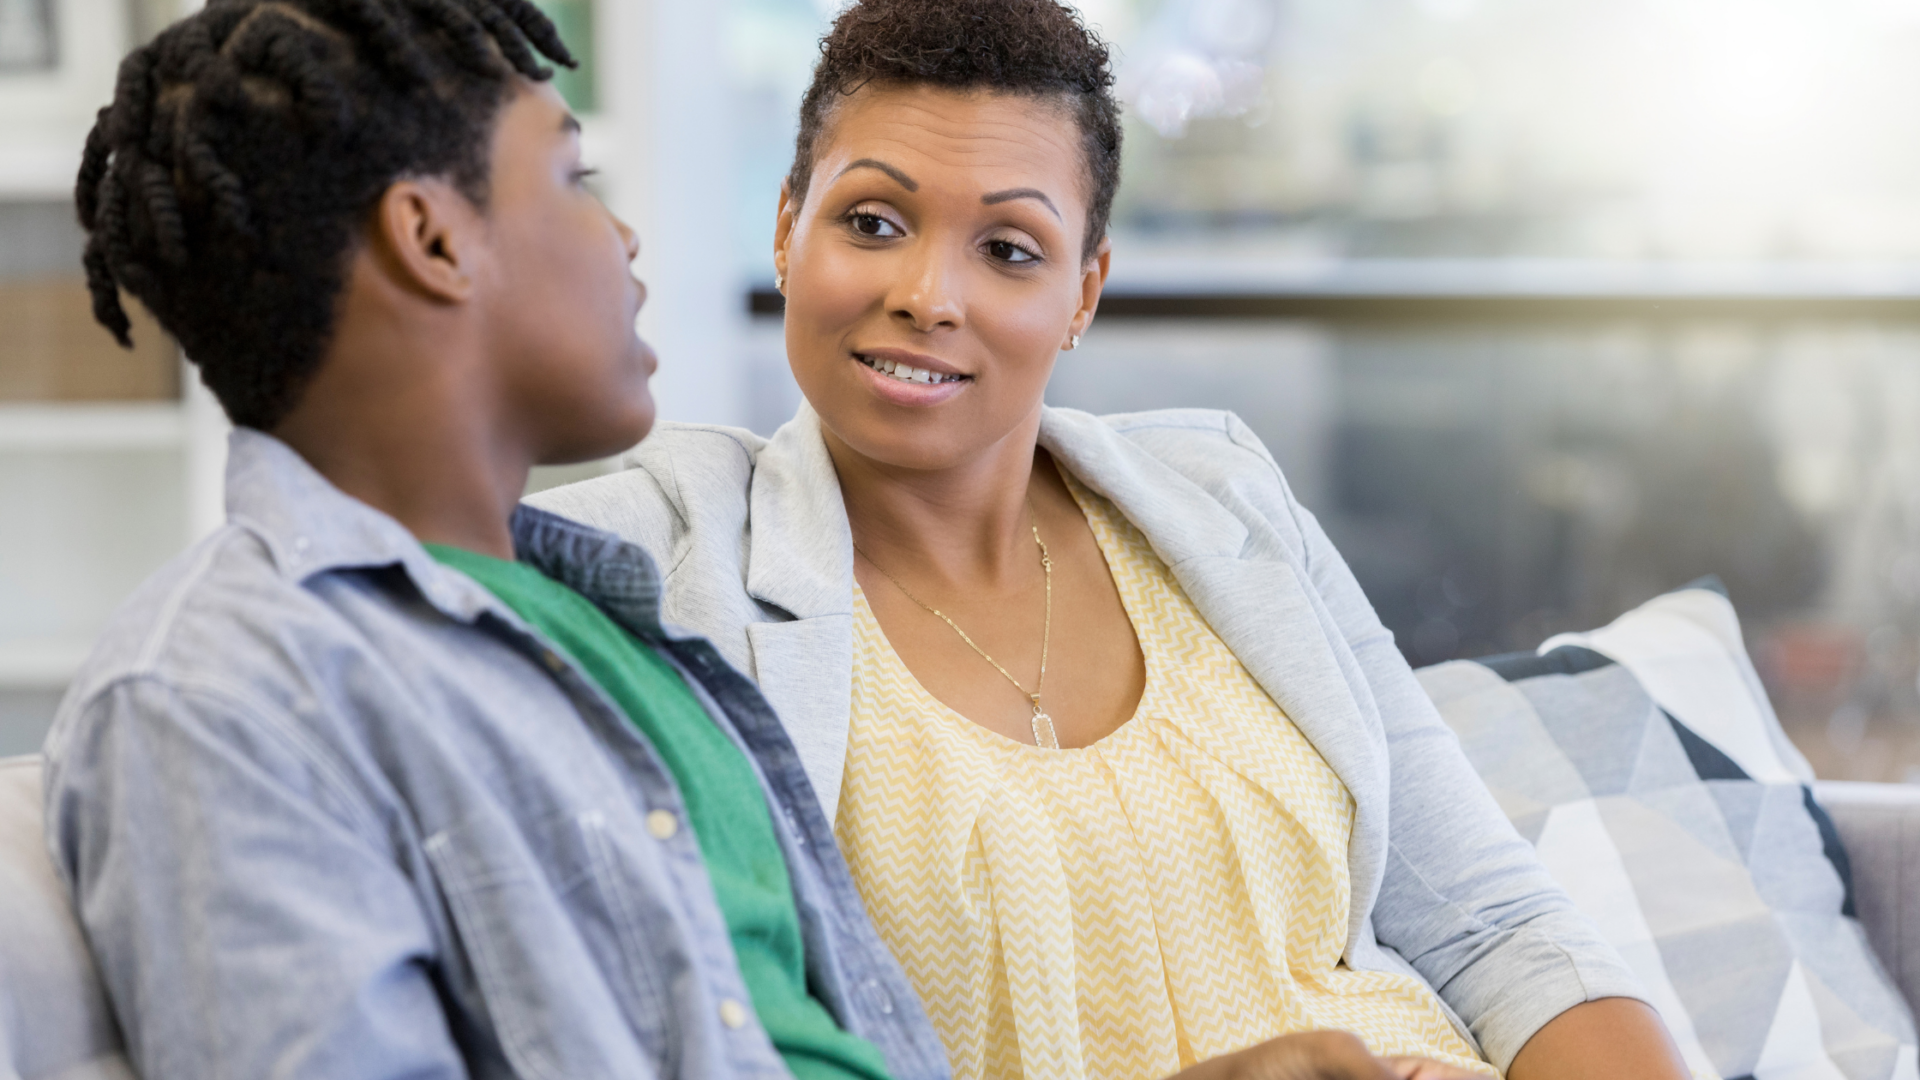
801,554
1179,517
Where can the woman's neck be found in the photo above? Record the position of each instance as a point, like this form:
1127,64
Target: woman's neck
967,524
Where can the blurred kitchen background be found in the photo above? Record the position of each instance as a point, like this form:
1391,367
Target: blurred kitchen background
1545,306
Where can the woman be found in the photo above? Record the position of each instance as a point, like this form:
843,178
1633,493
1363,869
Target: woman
1126,768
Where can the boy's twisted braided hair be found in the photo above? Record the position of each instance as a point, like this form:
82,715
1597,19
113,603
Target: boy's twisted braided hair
226,185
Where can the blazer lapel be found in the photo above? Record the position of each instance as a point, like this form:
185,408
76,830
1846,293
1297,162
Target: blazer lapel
800,549
800,560
1187,521
805,671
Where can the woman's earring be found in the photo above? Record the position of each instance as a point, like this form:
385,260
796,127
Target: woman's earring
779,282
1073,342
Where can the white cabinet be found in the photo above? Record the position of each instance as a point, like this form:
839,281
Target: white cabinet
93,498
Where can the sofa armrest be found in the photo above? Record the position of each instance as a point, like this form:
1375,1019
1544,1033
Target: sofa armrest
1880,826
54,1016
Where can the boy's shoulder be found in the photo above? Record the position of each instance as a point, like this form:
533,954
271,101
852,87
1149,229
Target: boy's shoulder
231,617
227,577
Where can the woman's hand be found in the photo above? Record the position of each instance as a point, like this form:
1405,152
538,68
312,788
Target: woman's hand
1309,1055
1409,1068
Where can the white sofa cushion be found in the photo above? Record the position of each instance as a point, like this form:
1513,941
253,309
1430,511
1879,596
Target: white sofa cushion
55,1023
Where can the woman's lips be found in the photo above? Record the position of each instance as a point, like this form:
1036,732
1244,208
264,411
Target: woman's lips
904,384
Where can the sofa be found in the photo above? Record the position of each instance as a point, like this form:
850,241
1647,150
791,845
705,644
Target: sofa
1774,919
55,1023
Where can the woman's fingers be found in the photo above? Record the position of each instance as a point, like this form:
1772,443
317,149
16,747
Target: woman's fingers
1413,1068
1319,1055
1312,1055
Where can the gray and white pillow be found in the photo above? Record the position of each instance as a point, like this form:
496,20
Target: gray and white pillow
1645,764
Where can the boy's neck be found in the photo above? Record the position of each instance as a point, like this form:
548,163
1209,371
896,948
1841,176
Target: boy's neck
402,416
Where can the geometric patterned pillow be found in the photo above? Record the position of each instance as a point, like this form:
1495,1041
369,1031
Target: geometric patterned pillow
1638,761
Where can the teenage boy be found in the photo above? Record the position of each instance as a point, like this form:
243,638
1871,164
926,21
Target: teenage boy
388,778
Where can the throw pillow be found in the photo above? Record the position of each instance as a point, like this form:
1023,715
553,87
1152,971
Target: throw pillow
1646,766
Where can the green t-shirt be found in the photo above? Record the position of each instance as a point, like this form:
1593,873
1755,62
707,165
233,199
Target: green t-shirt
725,805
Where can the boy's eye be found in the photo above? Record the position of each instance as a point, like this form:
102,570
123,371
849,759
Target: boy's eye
873,225
1008,251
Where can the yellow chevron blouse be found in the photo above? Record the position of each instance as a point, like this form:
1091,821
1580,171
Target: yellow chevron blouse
1176,891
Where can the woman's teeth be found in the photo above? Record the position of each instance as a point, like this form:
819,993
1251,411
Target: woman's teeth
907,372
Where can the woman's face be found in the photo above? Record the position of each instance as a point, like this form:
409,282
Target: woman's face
934,271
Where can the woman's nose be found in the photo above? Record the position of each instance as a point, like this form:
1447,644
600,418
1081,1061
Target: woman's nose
928,293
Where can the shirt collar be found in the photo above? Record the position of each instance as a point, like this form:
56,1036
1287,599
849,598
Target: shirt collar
309,527
618,576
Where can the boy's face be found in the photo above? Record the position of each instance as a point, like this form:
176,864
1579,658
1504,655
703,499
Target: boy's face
560,298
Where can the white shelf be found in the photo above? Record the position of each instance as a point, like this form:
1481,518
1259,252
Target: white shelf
41,169
1172,271
62,427
40,665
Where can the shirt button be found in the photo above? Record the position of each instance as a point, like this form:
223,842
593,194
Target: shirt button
732,1013
878,996
662,824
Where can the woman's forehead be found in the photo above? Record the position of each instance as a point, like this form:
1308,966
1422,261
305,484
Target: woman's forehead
961,138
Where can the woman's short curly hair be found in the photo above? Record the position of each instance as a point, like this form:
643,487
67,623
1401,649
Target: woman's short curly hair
1038,48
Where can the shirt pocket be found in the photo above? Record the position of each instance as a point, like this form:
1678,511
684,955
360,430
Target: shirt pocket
571,984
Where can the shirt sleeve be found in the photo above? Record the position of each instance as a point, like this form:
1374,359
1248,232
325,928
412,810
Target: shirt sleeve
1464,898
247,919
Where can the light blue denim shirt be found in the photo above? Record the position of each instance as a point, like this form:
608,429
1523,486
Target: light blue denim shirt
328,809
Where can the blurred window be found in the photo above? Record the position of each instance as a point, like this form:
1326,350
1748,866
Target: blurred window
1609,129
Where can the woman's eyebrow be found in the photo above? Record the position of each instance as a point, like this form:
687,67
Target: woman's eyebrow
899,177
992,197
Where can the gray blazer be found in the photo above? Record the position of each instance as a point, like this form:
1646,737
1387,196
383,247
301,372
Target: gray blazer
758,558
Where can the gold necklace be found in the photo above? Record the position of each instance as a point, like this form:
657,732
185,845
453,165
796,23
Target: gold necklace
1043,734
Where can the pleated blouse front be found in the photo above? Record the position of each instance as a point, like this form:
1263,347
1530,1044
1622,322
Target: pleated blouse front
1176,891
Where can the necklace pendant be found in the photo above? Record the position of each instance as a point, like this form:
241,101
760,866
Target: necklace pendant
1043,735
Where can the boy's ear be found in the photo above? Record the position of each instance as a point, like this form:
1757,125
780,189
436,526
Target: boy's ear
426,240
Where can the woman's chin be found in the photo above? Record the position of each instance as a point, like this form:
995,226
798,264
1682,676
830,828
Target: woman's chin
890,440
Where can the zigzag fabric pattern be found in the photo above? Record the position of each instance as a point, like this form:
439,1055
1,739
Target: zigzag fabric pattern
1177,891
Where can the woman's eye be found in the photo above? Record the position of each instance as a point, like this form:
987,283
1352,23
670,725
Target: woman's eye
874,225
1008,251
